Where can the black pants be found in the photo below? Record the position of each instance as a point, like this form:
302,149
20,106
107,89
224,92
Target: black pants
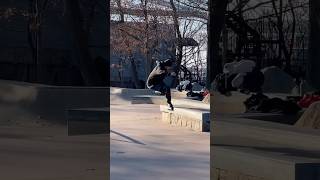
164,91
168,96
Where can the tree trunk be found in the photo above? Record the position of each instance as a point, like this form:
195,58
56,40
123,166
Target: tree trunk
134,72
121,11
81,44
217,10
313,72
293,35
225,45
108,26
282,42
178,43
148,67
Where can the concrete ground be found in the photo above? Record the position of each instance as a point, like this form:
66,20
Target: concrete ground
265,145
47,153
144,148
32,147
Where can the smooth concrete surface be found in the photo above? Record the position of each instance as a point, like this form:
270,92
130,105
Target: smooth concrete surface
267,162
130,92
34,139
233,104
287,135
148,99
19,100
88,121
247,148
124,95
144,148
191,103
260,146
161,100
48,153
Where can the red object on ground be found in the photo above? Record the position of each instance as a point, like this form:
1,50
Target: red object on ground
307,100
206,92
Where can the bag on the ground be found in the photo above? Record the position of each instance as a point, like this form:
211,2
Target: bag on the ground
263,104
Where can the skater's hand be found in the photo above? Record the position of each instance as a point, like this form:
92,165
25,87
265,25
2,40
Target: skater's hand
161,71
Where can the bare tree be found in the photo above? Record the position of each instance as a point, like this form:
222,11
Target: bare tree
178,42
138,34
124,42
279,24
81,44
156,25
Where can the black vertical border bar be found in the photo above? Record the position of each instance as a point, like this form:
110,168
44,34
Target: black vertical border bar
314,37
208,82
108,83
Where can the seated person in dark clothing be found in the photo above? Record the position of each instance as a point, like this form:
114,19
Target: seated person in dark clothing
223,84
252,82
162,78
242,75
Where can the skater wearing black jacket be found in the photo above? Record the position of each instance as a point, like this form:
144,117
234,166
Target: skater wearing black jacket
162,78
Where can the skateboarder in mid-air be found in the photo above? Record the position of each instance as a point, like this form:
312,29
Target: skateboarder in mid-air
162,78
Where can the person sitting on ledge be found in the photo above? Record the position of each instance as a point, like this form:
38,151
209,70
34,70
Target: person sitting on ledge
243,75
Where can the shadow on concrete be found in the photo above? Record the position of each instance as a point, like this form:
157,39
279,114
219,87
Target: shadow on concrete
127,137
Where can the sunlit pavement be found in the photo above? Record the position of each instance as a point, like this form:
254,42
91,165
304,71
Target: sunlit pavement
144,148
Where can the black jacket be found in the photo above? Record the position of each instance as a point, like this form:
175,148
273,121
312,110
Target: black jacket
157,75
